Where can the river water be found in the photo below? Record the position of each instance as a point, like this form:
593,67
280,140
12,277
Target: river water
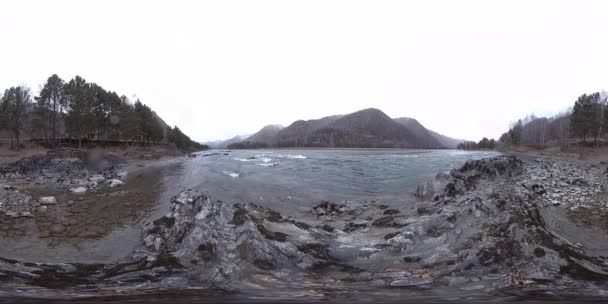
287,179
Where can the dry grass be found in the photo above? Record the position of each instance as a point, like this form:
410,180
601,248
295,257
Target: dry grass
574,150
8,155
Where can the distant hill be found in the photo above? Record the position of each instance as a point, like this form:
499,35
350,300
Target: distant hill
422,132
223,144
369,128
267,134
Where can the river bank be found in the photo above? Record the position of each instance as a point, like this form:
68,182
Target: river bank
496,228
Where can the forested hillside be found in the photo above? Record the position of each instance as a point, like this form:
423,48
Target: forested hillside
77,111
586,121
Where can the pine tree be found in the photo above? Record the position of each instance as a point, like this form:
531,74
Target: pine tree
79,116
14,104
50,105
585,120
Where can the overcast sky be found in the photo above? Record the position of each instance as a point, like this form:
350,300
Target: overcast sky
221,68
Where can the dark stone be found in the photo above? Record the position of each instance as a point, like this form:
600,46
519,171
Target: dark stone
273,236
539,252
538,189
315,249
350,227
164,221
387,222
391,211
206,251
301,225
411,259
240,216
328,228
264,264
391,235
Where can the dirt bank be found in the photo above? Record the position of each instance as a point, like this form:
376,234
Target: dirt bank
45,219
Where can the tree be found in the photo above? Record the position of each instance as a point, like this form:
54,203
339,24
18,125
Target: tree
585,120
3,114
51,104
14,104
516,132
79,118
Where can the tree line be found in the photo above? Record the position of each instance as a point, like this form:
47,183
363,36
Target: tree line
483,144
78,110
587,119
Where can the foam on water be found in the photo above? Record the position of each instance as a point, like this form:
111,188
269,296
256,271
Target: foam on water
292,156
268,164
231,174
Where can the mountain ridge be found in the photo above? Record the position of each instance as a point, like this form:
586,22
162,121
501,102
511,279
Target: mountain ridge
367,128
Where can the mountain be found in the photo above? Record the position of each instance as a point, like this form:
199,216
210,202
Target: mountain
267,134
369,128
450,143
422,132
223,144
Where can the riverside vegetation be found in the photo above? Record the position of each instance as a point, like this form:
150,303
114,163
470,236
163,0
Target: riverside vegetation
77,111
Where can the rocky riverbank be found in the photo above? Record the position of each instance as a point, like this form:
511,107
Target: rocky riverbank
494,227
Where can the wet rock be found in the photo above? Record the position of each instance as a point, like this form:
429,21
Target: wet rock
430,188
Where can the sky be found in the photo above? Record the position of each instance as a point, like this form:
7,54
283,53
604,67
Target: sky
216,69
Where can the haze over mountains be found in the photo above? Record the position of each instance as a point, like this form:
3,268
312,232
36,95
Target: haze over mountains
369,128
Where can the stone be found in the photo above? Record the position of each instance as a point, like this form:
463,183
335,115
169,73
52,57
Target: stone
27,214
11,214
48,200
78,190
115,183
97,178
42,208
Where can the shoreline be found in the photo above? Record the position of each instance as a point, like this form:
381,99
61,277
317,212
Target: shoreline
495,226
